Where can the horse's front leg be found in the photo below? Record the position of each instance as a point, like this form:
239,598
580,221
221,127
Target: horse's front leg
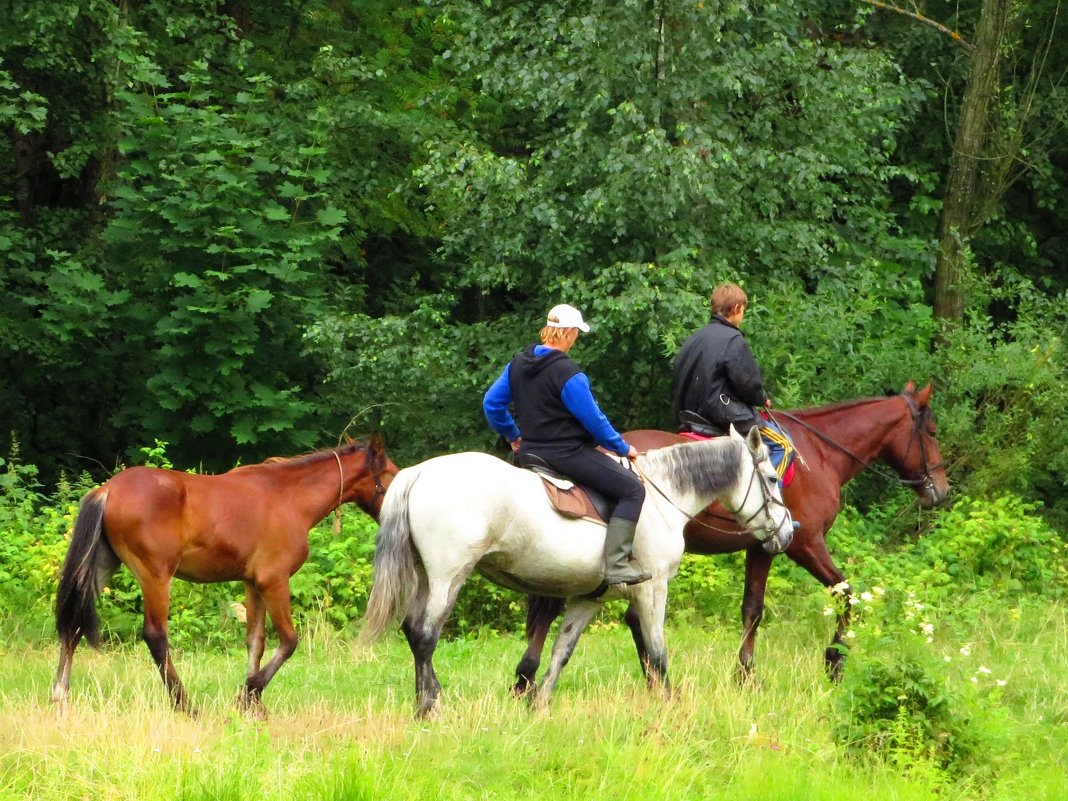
650,604
757,567
255,642
275,597
541,612
631,618
817,561
577,617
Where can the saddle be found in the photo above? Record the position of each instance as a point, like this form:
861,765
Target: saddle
693,423
565,496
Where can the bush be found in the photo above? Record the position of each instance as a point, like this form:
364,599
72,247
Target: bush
904,699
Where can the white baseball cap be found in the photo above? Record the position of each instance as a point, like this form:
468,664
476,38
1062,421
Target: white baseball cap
564,316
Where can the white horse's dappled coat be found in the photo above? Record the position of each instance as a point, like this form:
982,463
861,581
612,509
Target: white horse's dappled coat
453,514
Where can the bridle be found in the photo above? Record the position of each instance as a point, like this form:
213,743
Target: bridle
376,474
756,478
919,417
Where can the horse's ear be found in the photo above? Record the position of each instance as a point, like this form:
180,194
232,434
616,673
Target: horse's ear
923,397
753,440
375,443
733,432
910,388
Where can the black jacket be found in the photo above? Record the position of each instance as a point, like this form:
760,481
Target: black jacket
716,376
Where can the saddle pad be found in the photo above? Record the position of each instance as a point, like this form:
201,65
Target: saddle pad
571,502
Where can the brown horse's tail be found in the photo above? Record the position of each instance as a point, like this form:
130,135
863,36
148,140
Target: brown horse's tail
395,574
89,564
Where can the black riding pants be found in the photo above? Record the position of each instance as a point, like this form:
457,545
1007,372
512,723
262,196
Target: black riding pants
589,467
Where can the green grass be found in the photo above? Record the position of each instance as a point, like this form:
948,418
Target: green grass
340,723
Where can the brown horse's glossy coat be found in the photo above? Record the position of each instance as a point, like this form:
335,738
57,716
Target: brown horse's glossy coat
836,443
250,524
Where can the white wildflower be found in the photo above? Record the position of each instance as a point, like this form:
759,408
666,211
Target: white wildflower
828,611
927,628
965,650
867,596
984,669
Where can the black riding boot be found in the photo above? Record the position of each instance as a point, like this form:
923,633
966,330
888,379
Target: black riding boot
618,569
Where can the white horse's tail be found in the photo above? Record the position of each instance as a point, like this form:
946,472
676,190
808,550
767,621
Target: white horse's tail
394,565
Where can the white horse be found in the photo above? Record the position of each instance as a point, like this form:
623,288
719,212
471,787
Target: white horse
450,515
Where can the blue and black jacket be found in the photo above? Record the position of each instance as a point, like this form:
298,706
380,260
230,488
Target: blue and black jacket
553,403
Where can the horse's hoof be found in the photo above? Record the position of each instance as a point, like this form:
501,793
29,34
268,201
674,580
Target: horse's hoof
834,662
522,688
746,677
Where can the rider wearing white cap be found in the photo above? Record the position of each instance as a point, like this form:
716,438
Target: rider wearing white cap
562,424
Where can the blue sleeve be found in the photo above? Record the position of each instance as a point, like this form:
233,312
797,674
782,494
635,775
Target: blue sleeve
578,398
495,405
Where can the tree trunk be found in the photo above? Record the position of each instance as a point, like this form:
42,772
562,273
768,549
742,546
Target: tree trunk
961,204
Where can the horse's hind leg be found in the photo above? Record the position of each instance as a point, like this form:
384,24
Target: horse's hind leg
576,617
541,612
107,564
276,600
430,607
157,605
61,684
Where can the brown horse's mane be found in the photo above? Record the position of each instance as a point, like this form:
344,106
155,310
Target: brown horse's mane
840,406
304,458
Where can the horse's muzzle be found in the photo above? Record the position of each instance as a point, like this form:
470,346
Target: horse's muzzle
780,540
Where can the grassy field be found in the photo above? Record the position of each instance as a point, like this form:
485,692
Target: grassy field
340,723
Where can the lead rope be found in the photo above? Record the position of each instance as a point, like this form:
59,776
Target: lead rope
340,493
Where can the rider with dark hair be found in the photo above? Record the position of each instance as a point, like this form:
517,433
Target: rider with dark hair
716,382
562,424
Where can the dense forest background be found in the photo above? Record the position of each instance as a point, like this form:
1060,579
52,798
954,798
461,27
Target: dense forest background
236,229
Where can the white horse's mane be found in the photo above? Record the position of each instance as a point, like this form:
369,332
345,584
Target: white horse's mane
696,466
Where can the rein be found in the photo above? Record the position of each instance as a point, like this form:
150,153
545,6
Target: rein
917,421
693,519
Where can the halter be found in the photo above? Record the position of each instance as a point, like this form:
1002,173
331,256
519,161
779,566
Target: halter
765,507
917,429
376,474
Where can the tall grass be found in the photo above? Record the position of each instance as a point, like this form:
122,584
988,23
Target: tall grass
340,724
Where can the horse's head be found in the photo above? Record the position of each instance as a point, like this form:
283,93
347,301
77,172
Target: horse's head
759,507
913,450
372,473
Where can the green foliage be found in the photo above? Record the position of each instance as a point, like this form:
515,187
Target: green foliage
900,701
1004,407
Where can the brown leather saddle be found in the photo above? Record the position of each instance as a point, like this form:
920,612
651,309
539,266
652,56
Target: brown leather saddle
565,496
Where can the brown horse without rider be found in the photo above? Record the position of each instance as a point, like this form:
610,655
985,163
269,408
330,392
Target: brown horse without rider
836,443
250,524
